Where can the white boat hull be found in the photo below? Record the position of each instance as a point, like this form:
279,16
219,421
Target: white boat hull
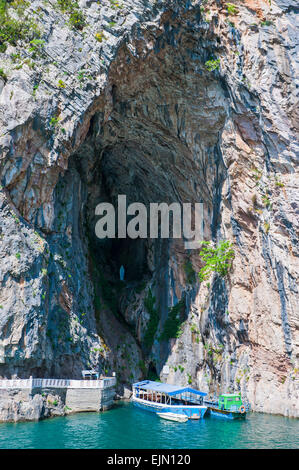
190,411
173,417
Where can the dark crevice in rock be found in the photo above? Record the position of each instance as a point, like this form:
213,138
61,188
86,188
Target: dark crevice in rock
283,301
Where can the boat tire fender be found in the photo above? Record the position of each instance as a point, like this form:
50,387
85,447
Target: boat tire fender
242,409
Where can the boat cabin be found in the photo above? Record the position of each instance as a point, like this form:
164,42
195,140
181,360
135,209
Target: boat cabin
230,401
167,394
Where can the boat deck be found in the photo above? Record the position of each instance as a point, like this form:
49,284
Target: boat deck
158,398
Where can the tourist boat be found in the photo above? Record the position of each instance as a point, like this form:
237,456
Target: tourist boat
163,398
228,406
173,417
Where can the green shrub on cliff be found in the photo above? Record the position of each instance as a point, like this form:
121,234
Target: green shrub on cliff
266,23
212,64
115,4
100,36
36,47
54,121
77,19
217,259
61,84
266,201
3,75
13,29
76,16
266,227
232,9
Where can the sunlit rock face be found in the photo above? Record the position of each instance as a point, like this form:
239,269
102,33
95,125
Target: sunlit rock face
142,116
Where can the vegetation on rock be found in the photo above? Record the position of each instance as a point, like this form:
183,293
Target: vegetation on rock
190,273
174,321
267,227
217,259
231,9
212,64
266,23
100,36
13,29
37,46
76,16
3,75
54,121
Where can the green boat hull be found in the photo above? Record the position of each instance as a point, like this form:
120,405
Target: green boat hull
214,411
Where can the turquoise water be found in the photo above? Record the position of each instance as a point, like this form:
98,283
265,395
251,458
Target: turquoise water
127,427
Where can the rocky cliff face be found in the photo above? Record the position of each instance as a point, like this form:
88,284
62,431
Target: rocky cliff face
163,101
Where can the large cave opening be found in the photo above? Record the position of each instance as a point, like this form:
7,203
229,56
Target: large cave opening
156,138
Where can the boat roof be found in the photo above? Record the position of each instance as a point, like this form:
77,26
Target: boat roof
230,395
166,388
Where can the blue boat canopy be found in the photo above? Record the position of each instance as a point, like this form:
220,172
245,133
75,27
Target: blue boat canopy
166,388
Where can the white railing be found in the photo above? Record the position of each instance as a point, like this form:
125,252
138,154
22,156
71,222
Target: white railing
57,383
17,383
109,382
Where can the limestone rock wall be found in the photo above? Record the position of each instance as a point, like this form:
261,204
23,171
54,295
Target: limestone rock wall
40,403
23,405
127,105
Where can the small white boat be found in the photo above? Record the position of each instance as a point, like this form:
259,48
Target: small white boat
173,417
